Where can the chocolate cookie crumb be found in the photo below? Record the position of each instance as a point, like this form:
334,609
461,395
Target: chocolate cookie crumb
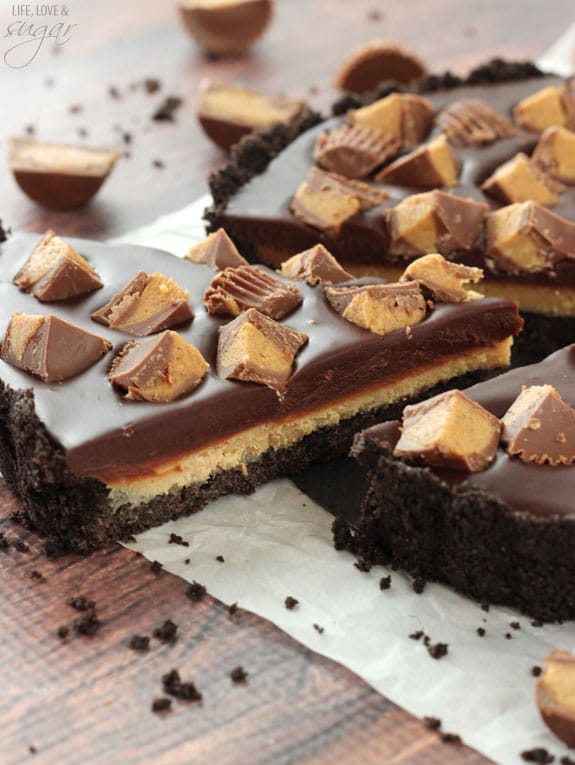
21,546
161,704
4,544
176,539
187,561
432,722
151,85
30,129
290,603
167,633
220,558
485,606
232,609
515,625
451,738
362,565
38,575
165,112
343,536
158,164
319,629
156,567
75,108
539,755
174,686
113,92
139,642
385,582
438,650
418,585
196,592
81,603
63,632
417,635
508,636
87,624
566,761
239,675
32,749
536,671
481,632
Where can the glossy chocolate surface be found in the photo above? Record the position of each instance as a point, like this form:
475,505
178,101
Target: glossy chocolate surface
259,212
103,434
544,490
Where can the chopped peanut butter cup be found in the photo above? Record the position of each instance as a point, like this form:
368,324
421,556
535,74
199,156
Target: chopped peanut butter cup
55,271
227,111
159,369
555,154
216,250
147,304
472,122
548,107
554,694
315,266
450,430
433,164
401,116
522,180
446,281
378,62
59,176
225,27
379,308
49,347
326,200
434,222
353,150
540,427
236,289
255,348
527,237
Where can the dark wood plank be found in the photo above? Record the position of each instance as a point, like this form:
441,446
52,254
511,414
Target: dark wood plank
89,698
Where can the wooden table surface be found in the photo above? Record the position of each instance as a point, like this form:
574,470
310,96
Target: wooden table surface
88,698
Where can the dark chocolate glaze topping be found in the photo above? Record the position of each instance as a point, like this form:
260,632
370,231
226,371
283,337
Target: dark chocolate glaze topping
261,207
543,490
102,434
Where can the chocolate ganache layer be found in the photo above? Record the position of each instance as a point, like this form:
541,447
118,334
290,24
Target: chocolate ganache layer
505,534
102,440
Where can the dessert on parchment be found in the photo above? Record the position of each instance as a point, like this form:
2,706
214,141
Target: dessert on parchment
475,489
136,386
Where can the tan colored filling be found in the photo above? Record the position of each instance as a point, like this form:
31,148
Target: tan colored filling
61,158
245,107
559,680
242,448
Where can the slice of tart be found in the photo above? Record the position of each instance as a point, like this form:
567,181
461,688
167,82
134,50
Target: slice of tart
476,489
210,381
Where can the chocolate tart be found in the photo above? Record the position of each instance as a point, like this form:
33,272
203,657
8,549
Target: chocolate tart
503,535
253,203
91,466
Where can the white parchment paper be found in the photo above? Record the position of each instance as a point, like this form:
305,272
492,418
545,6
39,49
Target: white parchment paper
277,542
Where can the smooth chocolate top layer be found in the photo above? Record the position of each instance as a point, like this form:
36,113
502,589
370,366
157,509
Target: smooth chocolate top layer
264,201
544,490
102,434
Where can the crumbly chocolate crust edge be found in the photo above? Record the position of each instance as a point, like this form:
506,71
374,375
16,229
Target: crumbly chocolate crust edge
74,511
252,155
413,521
